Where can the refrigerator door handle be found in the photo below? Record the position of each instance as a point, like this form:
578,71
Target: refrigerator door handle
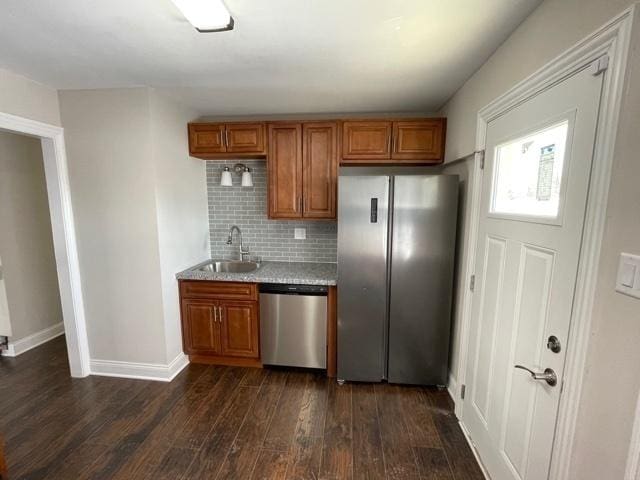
374,211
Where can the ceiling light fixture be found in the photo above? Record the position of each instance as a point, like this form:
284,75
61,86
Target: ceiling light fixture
206,15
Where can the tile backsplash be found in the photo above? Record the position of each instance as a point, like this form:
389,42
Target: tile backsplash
247,207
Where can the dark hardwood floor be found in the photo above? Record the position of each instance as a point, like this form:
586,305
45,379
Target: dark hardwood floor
216,422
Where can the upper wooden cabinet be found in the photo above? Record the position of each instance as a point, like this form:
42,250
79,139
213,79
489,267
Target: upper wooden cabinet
369,140
319,169
227,140
302,166
410,141
419,140
284,170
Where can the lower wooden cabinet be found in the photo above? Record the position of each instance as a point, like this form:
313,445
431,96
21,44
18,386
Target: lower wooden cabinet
239,329
220,322
3,463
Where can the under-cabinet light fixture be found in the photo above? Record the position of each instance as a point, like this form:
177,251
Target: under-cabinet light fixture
206,15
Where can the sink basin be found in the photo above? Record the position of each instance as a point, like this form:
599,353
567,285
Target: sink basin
230,266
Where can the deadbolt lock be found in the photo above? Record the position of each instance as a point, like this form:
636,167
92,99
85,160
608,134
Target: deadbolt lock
553,344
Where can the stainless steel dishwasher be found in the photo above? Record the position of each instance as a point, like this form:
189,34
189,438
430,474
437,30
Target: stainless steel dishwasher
293,325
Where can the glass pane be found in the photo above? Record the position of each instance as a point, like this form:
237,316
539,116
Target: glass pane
529,173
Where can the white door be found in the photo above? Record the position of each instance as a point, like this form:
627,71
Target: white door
5,325
534,193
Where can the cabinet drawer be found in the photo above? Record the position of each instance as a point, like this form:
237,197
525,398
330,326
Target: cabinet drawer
218,290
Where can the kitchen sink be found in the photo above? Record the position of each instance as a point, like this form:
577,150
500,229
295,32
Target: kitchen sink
230,266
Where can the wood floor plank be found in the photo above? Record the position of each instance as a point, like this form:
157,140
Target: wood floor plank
399,459
368,459
194,432
138,423
210,458
337,450
158,443
222,422
459,454
417,412
271,465
244,452
67,438
306,451
432,464
282,428
254,377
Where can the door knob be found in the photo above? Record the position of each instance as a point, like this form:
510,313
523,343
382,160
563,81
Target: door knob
548,375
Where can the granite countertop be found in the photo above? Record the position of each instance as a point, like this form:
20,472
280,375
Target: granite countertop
301,273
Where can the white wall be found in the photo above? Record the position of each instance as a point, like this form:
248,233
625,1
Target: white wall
141,216
611,380
181,202
26,242
27,98
108,136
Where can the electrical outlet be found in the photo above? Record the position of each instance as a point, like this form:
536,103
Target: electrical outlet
300,233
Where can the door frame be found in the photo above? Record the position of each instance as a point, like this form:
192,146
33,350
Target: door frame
64,236
611,40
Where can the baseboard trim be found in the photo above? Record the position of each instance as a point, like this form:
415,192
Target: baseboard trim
474,451
141,371
32,341
452,388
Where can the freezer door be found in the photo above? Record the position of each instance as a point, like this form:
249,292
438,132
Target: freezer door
422,253
362,277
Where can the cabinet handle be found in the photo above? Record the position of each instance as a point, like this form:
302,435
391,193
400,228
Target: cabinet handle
226,137
215,314
220,315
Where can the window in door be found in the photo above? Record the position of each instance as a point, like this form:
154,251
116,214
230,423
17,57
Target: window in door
528,174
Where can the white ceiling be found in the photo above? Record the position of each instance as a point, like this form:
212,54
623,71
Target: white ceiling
284,56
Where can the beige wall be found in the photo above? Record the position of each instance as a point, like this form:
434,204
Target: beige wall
27,98
26,241
611,379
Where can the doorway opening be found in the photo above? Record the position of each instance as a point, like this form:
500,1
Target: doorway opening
50,140
30,306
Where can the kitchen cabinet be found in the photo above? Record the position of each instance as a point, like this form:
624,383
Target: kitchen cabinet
319,169
302,165
366,140
393,142
3,462
220,322
227,140
284,170
420,140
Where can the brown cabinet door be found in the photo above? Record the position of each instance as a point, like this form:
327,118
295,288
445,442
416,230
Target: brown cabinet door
245,138
366,141
240,329
419,140
3,462
320,169
284,169
201,327
206,138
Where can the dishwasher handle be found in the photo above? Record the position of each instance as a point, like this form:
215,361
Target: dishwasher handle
293,289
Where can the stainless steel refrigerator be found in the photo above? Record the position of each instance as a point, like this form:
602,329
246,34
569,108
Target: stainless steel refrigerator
396,245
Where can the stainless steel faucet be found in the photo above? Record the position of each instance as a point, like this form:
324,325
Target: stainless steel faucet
243,251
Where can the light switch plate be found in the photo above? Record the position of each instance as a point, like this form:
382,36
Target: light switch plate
300,233
628,279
